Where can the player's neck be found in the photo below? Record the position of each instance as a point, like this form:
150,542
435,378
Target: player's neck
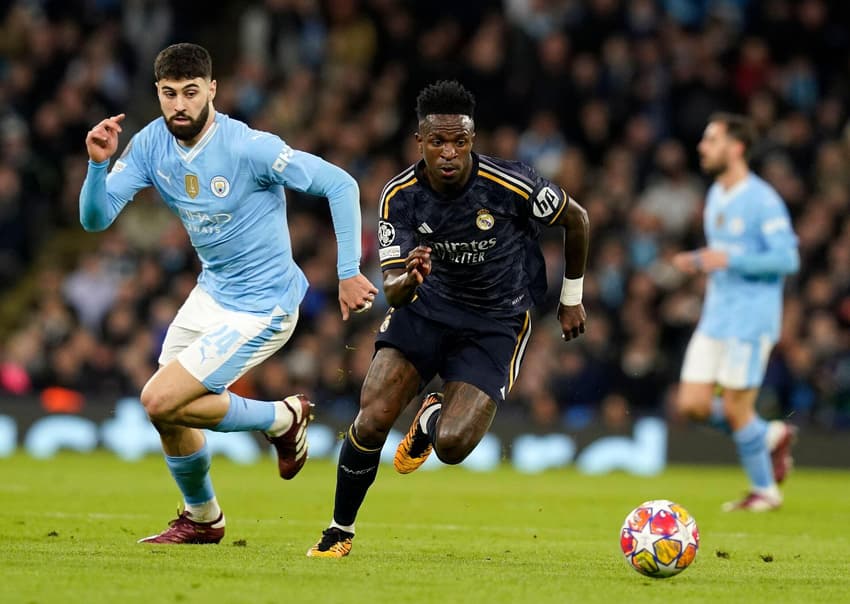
733,175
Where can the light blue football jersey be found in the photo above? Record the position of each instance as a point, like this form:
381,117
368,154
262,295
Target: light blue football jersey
751,223
228,191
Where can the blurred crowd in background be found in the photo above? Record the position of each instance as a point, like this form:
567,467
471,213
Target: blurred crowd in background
606,97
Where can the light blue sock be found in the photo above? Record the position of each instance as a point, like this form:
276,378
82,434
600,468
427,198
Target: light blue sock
192,474
246,414
717,417
752,450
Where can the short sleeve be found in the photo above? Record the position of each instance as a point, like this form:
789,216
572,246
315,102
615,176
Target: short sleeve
546,202
396,233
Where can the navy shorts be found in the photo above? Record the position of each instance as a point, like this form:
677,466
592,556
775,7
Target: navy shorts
487,354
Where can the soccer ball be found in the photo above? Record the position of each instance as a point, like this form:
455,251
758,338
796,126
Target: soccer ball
659,538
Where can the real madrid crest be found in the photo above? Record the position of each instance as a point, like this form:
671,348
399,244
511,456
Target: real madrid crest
220,186
484,220
190,181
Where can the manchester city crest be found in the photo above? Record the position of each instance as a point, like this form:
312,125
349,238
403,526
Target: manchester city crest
220,186
484,220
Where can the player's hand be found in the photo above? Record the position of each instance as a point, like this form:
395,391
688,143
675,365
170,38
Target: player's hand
418,264
704,259
572,320
102,140
713,260
356,294
687,262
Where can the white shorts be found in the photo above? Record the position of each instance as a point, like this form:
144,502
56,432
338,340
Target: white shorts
731,363
217,346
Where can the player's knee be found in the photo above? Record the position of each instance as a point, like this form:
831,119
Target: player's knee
371,430
158,405
691,406
452,448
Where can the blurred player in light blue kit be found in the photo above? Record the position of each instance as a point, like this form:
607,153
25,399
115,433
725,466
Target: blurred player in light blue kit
226,183
751,246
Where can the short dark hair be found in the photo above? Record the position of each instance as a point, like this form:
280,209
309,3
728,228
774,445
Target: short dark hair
739,127
446,97
183,61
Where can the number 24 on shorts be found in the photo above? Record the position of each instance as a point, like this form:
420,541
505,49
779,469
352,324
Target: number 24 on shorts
221,340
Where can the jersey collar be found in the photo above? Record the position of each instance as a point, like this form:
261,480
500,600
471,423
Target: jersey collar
188,154
726,195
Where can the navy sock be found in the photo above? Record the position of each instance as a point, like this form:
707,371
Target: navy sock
356,471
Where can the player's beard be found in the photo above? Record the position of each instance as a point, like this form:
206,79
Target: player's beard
714,169
186,132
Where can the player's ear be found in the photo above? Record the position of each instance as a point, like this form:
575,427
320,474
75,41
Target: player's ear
213,85
742,149
418,138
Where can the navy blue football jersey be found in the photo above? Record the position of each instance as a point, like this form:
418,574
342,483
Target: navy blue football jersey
485,257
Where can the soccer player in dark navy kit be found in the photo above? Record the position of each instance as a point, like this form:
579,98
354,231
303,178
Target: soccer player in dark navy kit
462,269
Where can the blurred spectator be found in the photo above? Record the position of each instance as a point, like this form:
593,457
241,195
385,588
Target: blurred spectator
669,205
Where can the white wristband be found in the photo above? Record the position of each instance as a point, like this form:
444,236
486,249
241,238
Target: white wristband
571,291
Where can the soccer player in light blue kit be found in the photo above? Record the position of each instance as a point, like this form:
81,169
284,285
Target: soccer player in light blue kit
751,246
226,183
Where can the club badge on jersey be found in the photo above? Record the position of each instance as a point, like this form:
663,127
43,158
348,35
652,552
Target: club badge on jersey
192,186
484,220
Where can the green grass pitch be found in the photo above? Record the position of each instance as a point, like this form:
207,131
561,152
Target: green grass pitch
68,527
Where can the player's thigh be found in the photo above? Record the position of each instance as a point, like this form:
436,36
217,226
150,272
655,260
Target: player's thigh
169,389
465,417
744,363
391,383
217,346
417,338
695,399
